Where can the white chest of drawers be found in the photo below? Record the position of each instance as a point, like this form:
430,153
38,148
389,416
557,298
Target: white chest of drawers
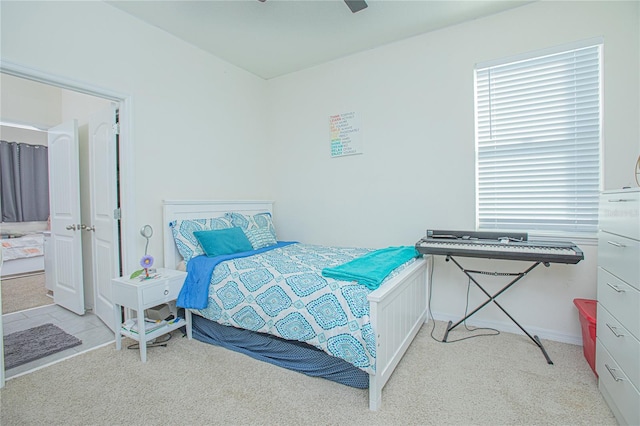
618,320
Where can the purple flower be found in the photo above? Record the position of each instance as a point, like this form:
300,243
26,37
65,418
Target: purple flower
146,261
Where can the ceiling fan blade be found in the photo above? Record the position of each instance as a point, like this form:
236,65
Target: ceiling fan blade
356,5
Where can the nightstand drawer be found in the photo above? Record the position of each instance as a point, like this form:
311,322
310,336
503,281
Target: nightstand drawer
619,256
619,298
157,294
622,346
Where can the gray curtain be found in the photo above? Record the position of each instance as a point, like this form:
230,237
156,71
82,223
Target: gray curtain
24,182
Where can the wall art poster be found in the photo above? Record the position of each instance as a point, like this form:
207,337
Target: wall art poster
346,135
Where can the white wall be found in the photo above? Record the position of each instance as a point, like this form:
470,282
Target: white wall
415,99
198,122
28,102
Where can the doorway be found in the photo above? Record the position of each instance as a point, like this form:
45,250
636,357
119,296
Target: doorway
71,172
98,98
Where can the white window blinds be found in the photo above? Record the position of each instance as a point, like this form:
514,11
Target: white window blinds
538,143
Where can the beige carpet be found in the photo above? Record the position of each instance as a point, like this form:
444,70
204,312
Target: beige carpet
23,293
498,380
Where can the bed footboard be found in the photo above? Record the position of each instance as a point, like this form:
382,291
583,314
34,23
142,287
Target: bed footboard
397,309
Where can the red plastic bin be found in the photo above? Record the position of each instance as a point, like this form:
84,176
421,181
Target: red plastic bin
588,315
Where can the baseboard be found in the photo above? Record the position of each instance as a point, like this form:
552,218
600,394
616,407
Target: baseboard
509,327
22,275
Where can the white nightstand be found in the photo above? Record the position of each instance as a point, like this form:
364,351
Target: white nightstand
140,295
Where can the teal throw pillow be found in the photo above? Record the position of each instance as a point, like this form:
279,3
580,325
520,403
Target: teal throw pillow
223,241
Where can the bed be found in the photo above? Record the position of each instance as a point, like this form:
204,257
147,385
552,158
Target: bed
397,309
22,255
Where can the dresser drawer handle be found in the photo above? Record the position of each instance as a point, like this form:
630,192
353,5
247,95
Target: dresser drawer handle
614,330
616,288
611,371
620,200
166,292
613,243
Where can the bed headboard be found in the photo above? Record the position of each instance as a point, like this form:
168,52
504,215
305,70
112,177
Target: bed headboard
199,209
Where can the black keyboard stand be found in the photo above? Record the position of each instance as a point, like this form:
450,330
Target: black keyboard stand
492,298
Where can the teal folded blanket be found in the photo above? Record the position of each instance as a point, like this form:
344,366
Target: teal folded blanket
372,268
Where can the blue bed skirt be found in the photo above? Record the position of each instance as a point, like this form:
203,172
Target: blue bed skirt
293,355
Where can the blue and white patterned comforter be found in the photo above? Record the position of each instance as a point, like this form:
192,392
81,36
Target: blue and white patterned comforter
282,292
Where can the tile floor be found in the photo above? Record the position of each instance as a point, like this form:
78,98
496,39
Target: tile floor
88,328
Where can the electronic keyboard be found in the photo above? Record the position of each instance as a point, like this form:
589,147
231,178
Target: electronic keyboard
494,245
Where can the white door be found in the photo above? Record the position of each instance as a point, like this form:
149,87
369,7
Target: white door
104,200
64,196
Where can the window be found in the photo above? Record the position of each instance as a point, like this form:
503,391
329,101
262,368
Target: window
538,133
24,182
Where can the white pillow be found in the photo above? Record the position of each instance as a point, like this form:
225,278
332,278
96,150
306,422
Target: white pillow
247,222
260,237
186,242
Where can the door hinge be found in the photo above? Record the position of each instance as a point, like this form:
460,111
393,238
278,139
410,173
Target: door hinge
116,128
117,214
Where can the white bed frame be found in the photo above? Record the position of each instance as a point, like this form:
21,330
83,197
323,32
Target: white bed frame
22,266
398,309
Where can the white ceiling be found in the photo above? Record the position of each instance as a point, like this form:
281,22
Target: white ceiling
277,37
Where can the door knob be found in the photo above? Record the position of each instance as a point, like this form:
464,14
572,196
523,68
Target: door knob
88,228
71,227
